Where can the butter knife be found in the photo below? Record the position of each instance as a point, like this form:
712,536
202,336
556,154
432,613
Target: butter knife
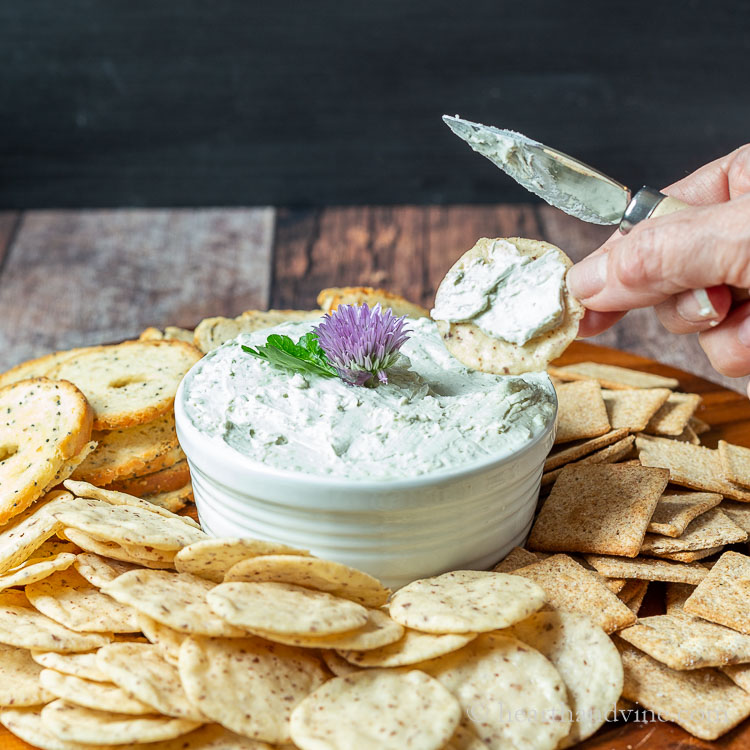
561,180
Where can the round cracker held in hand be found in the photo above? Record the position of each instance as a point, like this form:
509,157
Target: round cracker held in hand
466,601
130,383
472,346
376,709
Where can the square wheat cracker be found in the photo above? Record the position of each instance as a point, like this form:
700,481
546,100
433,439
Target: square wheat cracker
581,412
599,508
673,417
570,453
735,461
609,455
647,569
710,529
633,409
675,511
613,376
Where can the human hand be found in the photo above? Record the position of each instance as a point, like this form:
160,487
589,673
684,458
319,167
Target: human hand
683,264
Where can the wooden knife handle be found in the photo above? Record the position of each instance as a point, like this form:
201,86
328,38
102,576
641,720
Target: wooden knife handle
668,205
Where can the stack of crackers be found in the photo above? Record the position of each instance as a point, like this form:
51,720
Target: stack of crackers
634,498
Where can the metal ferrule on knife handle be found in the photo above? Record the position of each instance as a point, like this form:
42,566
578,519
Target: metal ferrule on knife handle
647,203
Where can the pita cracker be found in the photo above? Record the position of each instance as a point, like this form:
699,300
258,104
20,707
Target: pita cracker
20,685
101,696
598,508
140,556
581,412
570,453
702,701
724,594
572,588
35,569
613,376
472,346
632,410
336,664
710,529
98,570
675,511
78,665
673,417
689,465
646,569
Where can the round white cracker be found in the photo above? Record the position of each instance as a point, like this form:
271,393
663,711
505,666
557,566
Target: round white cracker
285,609
101,696
35,569
337,664
587,660
79,665
477,350
512,694
89,727
465,601
19,679
177,600
212,558
376,709
247,684
130,383
117,551
313,573
167,639
98,570
71,600
413,648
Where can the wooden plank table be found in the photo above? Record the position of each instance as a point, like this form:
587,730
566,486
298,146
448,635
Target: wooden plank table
71,278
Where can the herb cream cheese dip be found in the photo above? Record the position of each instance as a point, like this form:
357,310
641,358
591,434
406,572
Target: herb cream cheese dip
433,415
507,295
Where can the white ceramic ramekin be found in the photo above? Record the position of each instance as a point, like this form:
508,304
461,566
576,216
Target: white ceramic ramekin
395,530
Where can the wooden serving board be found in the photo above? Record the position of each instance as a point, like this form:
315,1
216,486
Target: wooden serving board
728,413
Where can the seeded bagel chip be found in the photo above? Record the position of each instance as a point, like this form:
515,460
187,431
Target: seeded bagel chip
572,588
687,642
137,555
569,453
71,600
35,569
87,726
174,500
24,627
313,573
497,670
78,665
587,661
412,648
130,383
44,425
673,417
177,600
378,631
632,410
375,710
723,596
599,508
40,367
20,684
168,479
581,412
472,346
465,601
330,299
126,525
710,529
100,696
702,701
212,558
613,376
285,609
248,685
675,511
140,671
646,569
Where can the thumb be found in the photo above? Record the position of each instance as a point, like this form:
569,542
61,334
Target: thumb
692,249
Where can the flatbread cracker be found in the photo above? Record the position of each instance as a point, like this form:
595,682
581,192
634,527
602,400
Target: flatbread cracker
687,642
375,710
675,511
167,639
612,376
632,409
572,588
20,685
130,383
248,685
119,552
702,701
465,601
673,417
35,569
101,696
78,665
689,465
570,453
724,594
479,351
710,529
598,508
312,573
647,569
581,412
212,558
98,570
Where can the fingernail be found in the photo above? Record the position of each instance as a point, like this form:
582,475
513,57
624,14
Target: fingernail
696,307
743,333
588,277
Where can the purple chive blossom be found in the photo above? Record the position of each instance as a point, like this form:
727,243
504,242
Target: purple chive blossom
362,343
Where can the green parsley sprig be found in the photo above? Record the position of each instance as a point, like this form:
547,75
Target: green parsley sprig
305,356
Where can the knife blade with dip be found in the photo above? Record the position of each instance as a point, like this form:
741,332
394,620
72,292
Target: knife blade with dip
562,181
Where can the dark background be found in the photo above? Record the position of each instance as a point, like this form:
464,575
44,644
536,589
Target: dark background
315,102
